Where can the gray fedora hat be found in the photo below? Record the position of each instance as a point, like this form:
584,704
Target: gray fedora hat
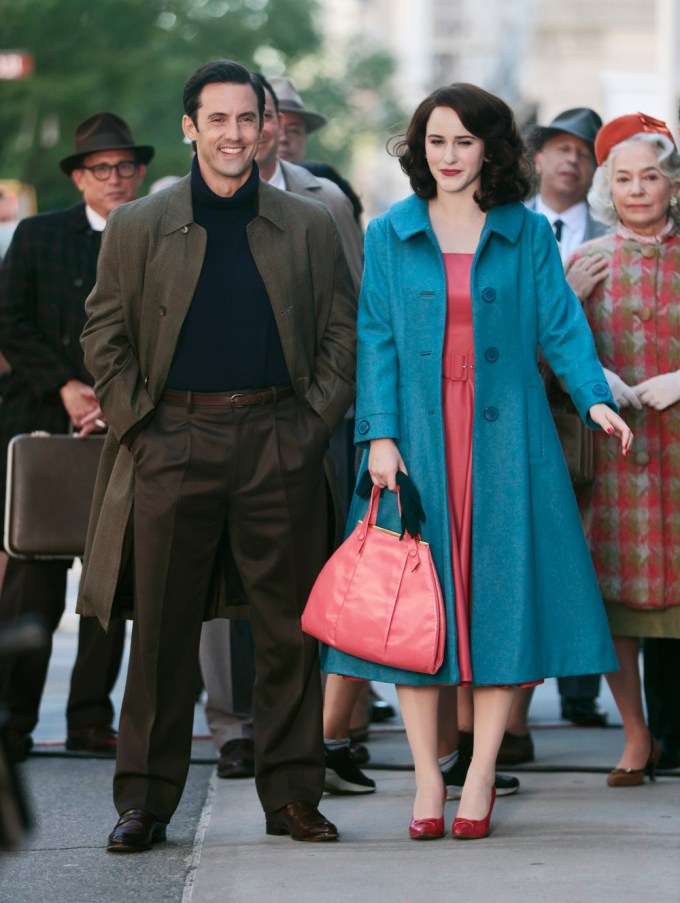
291,102
581,122
102,132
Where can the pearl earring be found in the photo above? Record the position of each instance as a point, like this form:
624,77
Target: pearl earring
673,202
610,205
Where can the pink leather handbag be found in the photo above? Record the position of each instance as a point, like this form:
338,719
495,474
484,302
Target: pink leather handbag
378,598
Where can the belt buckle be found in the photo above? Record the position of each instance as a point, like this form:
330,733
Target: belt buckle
232,399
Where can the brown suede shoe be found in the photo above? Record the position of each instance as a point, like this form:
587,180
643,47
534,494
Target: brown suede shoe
302,821
136,830
515,749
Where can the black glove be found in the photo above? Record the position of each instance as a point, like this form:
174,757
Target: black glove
412,514
364,486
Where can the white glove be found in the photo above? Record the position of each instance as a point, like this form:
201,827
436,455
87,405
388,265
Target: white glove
660,391
622,392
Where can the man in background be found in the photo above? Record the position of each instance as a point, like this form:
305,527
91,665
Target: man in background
48,272
296,120
565,164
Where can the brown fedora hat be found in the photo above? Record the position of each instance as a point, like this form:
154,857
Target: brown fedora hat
102,132
291,102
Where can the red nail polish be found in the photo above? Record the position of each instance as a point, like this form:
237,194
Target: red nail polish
610,430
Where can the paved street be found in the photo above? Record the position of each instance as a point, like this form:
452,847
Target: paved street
564,837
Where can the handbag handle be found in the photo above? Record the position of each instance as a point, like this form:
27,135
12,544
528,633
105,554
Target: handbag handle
410,506
370,521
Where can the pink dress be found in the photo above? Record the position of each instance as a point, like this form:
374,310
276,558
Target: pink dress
458,394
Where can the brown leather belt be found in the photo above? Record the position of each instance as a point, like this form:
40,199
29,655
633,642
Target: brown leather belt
226,399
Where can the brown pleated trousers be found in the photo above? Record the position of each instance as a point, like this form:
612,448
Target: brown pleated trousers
256,474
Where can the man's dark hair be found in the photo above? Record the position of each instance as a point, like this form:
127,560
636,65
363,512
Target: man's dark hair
506,172
219,72
258,77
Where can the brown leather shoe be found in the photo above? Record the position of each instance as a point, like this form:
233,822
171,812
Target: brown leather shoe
96,738
136,830
302,821
515,749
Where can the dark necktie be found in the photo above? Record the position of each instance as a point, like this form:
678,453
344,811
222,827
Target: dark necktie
557,227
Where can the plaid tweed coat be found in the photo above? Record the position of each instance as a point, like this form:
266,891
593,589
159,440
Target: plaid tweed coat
151,260
632,512
47,274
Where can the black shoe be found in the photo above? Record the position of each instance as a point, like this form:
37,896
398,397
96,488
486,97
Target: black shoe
17,746
342,775
237,759
583,712
359,753
670,756
95,738
136,830
381,710
454,778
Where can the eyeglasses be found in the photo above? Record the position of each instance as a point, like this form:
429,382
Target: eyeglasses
102,171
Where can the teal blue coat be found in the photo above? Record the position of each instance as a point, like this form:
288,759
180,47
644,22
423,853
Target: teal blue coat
536,606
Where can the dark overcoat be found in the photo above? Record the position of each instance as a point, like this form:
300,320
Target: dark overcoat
48,272
536,607
145,284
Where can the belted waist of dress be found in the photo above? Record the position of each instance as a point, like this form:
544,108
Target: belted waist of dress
458,366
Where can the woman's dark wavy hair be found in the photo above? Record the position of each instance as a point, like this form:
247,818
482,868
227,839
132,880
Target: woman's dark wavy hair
506,172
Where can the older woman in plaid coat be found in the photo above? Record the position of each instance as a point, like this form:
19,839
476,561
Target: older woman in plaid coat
632,511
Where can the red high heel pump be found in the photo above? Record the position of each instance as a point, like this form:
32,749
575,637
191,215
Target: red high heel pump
473,828
427,828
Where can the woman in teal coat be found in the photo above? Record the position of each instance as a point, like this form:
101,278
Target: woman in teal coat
471,426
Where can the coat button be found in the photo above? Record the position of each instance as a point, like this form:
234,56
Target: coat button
642,458
162,310
600,390
488,294
491,355
184,230
66,340
644,313
78,283
491,413
364,427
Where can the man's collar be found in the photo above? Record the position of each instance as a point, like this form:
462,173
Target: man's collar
573,216
278,180
97,222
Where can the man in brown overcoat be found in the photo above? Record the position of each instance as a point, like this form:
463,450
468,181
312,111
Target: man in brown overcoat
222,342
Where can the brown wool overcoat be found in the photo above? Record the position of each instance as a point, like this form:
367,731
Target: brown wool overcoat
148,269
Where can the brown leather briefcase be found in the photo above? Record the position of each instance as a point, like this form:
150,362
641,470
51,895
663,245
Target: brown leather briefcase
50,482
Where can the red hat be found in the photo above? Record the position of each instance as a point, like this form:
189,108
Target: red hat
623,127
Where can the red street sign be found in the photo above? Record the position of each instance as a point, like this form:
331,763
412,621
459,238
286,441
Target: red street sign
15,64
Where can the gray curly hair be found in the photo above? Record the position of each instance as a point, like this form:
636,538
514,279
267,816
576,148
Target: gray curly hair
600,194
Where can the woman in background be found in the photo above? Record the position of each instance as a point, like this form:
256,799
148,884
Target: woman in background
631,511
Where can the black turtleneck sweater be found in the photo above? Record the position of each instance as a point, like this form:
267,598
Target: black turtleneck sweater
229,338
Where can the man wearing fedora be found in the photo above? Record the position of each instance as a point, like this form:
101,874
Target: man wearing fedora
565,164
49,270
296,120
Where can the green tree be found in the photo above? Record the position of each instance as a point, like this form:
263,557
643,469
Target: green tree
131,57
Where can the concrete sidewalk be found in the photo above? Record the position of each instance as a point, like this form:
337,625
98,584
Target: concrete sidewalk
565,836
